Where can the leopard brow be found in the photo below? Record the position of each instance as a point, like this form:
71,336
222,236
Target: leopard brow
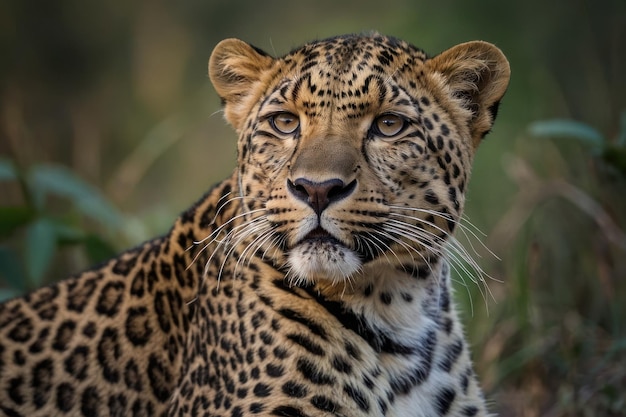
278,97
406,106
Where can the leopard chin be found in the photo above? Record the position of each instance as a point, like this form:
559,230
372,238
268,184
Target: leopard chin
321,259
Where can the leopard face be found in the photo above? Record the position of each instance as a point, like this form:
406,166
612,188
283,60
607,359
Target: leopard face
356,150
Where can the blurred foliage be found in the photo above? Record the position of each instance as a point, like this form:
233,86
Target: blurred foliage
117,93
556,347
612,152
37,229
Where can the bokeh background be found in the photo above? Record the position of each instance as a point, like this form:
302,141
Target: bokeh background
109,127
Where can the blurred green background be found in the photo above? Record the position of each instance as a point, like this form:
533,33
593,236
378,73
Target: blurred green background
109,127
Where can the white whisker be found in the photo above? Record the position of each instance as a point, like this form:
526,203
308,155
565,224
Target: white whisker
240,236
214,235
461,261
470,228
233,235
264,234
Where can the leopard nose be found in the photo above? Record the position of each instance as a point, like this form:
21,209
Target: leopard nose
319,195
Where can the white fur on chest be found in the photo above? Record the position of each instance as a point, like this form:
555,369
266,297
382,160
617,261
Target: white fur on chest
407,310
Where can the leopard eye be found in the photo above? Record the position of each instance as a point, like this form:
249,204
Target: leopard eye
285,123
389,125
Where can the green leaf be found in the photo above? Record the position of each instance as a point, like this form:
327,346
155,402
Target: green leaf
67,234
568,129
40,246
62,182
97,249
7,170
11,271
12,218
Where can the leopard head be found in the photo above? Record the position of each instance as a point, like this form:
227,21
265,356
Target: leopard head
355,150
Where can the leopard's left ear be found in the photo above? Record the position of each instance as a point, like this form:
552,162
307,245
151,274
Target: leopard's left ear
235,69
476,73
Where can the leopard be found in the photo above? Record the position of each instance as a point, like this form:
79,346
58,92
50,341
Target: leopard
316,280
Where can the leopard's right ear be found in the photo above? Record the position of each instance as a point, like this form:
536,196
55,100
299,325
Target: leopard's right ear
235,68
475,75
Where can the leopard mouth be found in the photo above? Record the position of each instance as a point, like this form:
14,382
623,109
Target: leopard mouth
319,233
320,255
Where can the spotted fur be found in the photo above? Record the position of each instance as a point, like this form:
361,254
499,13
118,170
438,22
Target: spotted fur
312,282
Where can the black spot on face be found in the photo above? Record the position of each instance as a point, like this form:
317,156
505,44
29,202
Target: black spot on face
444,129
431,197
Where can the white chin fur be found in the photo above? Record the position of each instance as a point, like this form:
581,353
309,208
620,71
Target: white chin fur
315,260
